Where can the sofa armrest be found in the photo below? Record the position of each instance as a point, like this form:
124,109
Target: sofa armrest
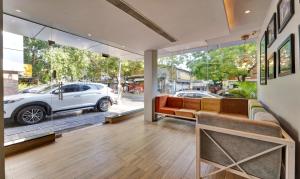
160,101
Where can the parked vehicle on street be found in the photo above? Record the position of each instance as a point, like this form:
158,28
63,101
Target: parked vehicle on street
196,94
33,107
35,89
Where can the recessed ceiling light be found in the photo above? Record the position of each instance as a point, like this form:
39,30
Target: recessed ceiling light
18,10
247,11
90,35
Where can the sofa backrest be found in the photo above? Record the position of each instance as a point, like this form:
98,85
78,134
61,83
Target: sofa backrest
265,116
174,102
234,106
210,104
191,103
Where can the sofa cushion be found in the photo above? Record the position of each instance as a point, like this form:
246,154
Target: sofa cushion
190,113
210,104
168,110
174,102
265,116
234,106
160,101
190,103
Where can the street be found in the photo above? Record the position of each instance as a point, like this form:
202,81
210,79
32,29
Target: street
71,120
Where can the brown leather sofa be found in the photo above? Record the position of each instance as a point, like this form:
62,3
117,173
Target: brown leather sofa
187,107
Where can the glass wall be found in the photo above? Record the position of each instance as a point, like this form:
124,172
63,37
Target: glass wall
57,82
223,72
175,77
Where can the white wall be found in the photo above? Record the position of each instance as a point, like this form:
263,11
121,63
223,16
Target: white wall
13,55
282,95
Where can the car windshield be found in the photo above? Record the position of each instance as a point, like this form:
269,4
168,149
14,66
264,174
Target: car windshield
196,94
47,89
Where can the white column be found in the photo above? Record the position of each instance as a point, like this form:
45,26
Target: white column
150,84
2,168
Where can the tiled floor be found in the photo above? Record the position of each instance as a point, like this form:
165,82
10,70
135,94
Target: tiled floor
127,150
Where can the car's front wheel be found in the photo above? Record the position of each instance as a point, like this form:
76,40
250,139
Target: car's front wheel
31,115
103,105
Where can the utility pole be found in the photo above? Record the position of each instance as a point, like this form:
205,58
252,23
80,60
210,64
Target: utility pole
119,82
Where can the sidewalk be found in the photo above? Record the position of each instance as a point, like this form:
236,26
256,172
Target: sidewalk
67,121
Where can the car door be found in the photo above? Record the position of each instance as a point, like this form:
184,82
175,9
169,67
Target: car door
89,95
70,98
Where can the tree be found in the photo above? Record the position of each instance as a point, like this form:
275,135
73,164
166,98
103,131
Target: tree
97,67
130,68
171,63
73,64
224,63
34,54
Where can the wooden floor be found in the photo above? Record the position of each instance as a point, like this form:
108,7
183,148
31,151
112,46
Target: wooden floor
131,149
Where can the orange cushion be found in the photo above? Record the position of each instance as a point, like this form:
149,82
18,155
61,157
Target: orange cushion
167,110
190,103
174,102
210,104
186,113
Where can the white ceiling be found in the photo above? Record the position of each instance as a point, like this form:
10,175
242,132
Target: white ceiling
193,23
29,29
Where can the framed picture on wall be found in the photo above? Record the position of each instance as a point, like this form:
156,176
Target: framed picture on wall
271,31
285,11
286,56
271,66
263,54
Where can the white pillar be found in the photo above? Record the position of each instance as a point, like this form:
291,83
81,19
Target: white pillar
150,84
2,168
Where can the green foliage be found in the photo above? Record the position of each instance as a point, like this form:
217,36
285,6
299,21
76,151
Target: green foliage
224,63
245,90
34,54
170,61
23,86
130,68
73,64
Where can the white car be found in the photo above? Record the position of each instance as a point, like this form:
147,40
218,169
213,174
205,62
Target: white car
196,94
31,108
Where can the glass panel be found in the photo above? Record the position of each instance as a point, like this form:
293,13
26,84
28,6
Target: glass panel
25,101
77,80
132,79
175,78
222,72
